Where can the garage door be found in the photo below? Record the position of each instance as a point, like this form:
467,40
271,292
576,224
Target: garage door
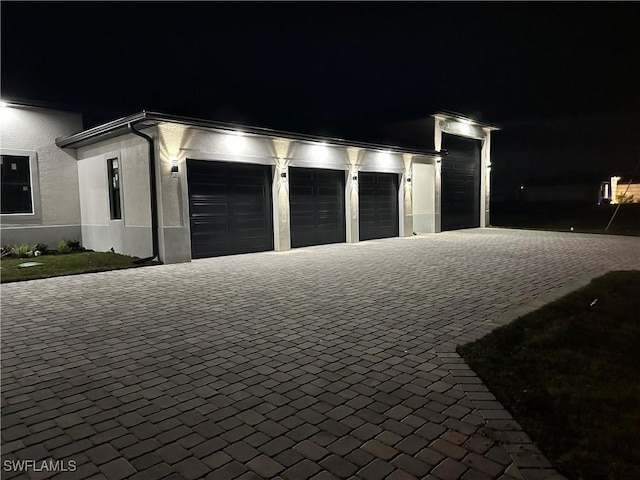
460,183
316,199
378,205
230,208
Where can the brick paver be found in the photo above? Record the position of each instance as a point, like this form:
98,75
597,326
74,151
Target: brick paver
325,362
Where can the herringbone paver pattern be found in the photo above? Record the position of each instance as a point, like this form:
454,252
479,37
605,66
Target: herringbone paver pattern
326,362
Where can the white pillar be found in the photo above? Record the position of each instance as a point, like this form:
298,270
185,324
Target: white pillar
405,198
437,142
485,179
280,197
281,217
614,189
351,207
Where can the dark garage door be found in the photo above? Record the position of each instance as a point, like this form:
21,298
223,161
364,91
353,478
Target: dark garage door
378,204
460,171
230,208
316,198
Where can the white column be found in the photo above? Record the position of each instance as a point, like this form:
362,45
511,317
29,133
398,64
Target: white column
405,198
280,197
614,189
437,142
351,197
281,216
485,179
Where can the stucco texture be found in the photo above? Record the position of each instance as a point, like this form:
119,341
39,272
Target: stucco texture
35,130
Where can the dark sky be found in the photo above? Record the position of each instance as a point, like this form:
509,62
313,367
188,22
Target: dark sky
563,79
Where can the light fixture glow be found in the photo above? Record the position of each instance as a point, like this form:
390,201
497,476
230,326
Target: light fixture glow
235,141
3,104
320,151
175,172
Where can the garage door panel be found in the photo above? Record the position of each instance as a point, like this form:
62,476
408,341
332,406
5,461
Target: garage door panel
316,206
208,190
378,205
207,207
229,208
209,231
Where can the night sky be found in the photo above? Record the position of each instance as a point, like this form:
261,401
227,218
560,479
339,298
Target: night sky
563,80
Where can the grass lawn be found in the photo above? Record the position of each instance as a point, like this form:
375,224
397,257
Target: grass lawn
57,265
570,374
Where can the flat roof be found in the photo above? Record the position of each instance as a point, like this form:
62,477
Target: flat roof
120,126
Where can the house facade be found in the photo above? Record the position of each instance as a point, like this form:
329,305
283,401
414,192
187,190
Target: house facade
180,188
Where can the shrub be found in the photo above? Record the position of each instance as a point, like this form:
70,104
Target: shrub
41,247
23,251
74,245
63,247
6,250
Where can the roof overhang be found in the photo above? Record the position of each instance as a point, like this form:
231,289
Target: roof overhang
458,117
145,119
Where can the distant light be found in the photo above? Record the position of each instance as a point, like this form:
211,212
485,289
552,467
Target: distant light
521,187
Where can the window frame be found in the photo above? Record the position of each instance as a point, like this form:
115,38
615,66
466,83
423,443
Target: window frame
35,217
110,189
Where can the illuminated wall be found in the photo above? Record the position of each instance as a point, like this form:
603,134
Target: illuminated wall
130,235
54,176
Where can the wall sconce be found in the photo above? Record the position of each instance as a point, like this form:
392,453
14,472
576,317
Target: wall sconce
408,179
283,174
175,172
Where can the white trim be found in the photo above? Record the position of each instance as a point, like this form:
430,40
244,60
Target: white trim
194,154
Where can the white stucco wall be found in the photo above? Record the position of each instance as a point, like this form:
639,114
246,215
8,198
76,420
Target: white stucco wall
132,234
56,201
424,197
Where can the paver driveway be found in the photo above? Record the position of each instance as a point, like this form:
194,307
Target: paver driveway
324,362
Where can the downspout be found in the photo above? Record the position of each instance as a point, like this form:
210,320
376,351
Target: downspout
153,190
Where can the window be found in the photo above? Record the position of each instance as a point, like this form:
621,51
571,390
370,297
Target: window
114,188
16,184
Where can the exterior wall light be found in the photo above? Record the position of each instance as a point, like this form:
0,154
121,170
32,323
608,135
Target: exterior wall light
175,172
283,174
